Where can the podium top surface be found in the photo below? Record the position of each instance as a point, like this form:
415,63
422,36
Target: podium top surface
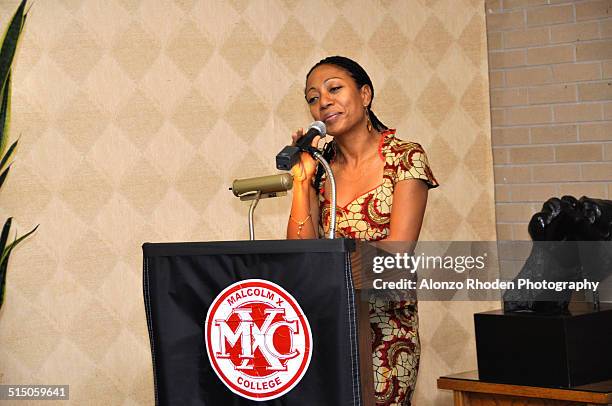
247,247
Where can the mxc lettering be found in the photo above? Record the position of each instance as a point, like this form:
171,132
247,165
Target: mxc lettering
254,338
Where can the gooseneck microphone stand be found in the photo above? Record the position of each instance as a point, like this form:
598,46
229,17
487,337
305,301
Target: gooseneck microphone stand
332,182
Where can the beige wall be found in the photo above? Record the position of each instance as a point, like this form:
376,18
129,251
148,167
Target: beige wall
551,98
134,118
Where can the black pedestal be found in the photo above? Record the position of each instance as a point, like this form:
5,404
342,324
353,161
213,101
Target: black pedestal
545,350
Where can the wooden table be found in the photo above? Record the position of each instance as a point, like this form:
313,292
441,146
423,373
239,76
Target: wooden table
468,390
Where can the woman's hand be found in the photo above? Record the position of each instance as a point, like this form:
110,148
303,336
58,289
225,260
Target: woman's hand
304,218
305,169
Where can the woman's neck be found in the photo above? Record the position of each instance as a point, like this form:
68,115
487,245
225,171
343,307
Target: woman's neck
358,146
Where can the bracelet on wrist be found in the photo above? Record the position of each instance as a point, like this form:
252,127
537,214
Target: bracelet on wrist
300,224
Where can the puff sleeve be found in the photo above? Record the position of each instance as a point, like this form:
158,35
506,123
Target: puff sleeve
412,163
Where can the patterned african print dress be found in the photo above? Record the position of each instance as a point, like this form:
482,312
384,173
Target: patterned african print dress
394,324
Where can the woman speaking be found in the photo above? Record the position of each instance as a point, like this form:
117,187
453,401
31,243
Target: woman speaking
382,185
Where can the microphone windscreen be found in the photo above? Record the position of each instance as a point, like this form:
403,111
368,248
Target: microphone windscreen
319,126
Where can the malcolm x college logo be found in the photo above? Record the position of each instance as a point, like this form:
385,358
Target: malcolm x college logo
258,339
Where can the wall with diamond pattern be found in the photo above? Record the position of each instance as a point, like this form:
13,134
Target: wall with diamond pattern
136,115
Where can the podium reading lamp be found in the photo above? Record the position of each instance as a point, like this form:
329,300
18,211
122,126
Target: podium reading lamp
260,188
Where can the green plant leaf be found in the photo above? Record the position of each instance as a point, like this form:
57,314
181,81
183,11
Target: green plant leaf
8,49
3,175
8,155
5,114
10,40
7,54
5,233
7,250
3,267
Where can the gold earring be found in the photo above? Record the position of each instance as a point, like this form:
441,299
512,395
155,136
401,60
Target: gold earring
368,121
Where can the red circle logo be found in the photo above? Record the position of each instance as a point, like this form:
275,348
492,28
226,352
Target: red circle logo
258,339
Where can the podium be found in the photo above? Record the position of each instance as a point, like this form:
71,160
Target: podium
257,323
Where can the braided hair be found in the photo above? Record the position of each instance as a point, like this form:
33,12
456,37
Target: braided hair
361,79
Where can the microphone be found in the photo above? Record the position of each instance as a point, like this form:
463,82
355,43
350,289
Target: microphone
290,155
269,186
